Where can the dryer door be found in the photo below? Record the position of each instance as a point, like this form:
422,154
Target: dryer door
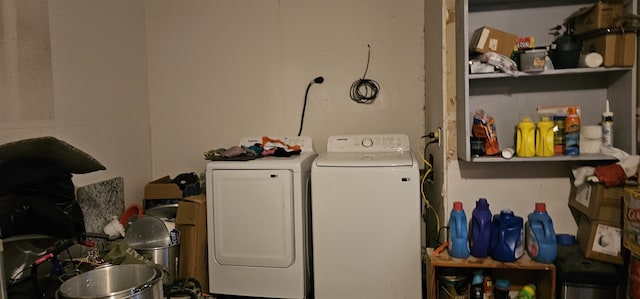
253,217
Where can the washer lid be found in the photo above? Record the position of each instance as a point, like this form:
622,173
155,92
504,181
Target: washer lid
363,159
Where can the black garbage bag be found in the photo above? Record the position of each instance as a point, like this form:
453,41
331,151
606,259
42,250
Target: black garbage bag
38,197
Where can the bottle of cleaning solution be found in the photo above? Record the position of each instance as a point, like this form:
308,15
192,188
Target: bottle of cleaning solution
527,292
544,137
540,235
480,229
525,138
607,126
501,289
507,244
572,133
477,287
458,236
558,134
487,284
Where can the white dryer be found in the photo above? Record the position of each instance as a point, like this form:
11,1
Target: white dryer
365,208
257,223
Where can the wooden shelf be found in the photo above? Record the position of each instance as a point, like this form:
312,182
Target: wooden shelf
521,272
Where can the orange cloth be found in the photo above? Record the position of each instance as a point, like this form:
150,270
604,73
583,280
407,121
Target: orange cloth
610,175
266,139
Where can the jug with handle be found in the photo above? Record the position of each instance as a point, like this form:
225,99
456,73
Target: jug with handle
544,137
458,234
525,138
480,229
507,244
540,235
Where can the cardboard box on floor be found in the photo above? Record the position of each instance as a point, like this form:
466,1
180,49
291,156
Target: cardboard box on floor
600,240
191,221
596,202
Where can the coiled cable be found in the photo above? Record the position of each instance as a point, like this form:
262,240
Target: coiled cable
364,91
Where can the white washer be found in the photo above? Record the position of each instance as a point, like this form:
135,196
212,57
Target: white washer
257,213
365,207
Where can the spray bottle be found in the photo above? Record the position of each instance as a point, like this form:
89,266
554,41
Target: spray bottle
607,126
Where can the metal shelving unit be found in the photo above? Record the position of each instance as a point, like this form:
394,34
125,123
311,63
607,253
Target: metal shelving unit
507,98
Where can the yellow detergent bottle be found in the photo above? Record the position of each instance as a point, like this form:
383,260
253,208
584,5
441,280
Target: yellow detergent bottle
544,137
525,138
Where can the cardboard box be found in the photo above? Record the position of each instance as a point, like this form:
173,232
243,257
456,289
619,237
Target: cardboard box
597,16
631,226
162,188
191,221
487,39
616,48
600,240
597,202
161,192
633,279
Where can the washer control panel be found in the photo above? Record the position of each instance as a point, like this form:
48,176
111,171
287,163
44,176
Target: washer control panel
368,143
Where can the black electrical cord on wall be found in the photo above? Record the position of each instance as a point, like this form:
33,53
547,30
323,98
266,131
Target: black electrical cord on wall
364,91
317,80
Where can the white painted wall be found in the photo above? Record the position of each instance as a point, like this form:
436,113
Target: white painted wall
205,73
515,186
221,70
100,99
147,86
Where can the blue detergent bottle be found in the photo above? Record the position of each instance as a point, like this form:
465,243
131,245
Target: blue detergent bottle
507,244
458,246
480,229
540,236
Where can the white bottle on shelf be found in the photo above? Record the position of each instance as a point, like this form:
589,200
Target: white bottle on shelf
607,126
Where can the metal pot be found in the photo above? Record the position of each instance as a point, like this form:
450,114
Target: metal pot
166,258
135,281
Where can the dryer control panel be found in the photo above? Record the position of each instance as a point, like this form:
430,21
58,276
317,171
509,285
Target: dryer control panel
368,143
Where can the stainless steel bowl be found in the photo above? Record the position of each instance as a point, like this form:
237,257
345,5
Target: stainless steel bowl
135,281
